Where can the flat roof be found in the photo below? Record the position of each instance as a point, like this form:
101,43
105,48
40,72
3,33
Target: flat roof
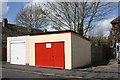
60,32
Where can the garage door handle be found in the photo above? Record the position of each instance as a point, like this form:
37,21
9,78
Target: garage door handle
52,54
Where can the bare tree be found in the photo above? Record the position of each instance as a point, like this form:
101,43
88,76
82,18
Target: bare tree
77,16
32,16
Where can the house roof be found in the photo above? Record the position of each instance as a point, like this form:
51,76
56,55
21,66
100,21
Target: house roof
14,30
116,20
60,32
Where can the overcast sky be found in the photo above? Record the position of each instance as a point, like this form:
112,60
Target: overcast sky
9,9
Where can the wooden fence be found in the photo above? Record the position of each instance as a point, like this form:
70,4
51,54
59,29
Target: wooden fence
100,54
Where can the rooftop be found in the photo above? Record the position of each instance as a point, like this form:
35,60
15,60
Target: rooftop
60,32
116,20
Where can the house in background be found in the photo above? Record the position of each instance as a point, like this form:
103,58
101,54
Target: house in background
10,30
115,32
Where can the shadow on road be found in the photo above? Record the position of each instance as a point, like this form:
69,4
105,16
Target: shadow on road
104,63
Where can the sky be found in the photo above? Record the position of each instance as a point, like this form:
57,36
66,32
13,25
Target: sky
14,8
10,10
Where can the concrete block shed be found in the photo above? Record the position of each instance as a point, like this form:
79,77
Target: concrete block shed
59,49
18,50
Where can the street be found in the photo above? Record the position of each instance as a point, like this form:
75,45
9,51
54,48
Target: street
12,73
100,72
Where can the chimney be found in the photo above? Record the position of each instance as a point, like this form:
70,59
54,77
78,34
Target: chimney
45,30
4,22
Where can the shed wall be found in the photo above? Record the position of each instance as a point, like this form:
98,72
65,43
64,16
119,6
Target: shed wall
81,51
19,38
66,37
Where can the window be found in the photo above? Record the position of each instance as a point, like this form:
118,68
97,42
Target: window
118,48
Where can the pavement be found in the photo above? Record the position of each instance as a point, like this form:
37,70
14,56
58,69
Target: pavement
112,66
105,71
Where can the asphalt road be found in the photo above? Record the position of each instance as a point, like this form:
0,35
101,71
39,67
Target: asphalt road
103,71
12,73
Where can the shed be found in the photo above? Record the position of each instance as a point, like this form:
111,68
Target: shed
18,50
59,49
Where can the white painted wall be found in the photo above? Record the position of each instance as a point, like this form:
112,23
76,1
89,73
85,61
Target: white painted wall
81,51
17,39
66,37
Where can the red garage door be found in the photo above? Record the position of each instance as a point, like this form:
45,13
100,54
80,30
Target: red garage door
50,54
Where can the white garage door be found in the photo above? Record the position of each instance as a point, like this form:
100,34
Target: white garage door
18,52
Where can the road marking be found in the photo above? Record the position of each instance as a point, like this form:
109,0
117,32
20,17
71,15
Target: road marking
36,73
69,76
49,74
73,76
